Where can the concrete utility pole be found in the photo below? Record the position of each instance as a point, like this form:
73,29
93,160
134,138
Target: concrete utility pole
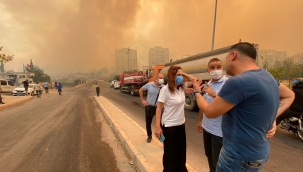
214,28
128,59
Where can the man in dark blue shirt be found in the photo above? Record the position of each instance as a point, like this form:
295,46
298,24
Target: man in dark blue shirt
249,101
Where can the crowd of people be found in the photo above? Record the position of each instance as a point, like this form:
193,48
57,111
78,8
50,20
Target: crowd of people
237,115
38,88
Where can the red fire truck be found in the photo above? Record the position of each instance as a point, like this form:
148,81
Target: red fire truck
132,82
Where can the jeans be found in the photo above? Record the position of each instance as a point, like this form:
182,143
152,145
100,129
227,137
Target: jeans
227,163
212,148
174,157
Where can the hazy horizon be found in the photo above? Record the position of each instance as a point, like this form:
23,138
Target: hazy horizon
66,36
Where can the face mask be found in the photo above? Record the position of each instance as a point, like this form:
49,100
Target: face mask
160,81
179,80
216,74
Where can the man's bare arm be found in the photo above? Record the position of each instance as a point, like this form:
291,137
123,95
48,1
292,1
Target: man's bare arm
287,96
216,108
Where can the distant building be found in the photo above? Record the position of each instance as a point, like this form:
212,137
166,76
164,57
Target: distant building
271,56
126,60
17,77
158,56
297,58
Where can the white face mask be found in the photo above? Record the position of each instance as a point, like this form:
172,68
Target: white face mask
216,74
160,81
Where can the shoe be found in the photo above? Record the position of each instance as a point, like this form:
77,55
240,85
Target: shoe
2,103
149,138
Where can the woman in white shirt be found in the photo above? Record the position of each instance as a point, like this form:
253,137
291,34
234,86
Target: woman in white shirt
172,125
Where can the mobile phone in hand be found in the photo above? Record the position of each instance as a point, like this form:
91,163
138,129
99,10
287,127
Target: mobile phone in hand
162,138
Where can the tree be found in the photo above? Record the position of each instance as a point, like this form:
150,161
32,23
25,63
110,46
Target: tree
40,76
5,58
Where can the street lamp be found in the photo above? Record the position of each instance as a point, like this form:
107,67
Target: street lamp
214,28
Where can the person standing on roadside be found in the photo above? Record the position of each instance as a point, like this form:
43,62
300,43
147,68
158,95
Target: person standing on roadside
172,123
249,102
25,84
1,102
45,85
150,104
38,89
59,87
211,128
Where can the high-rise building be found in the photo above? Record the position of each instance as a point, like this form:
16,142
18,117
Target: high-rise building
158,56
126,60
271,56
296,59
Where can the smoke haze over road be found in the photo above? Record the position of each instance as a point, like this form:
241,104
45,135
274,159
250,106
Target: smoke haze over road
63,36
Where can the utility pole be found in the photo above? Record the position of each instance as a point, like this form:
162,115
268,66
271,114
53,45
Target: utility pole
214,28
128,59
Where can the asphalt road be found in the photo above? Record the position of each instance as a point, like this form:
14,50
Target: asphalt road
286,149
59,133
68,133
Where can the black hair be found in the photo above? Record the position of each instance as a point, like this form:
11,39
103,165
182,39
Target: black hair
245,48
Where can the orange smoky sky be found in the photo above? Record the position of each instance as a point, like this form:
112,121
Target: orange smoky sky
65,36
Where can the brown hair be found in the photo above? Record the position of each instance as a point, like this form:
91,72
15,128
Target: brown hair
214,60
171,78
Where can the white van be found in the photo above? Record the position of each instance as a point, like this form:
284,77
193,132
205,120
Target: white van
7,86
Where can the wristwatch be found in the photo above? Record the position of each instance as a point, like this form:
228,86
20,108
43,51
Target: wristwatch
195,92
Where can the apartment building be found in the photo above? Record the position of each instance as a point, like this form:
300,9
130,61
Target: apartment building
126,60
158,56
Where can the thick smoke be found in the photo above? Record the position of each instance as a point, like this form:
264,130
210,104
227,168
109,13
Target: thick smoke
63,36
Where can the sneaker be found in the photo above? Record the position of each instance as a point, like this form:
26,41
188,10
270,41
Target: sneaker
149,138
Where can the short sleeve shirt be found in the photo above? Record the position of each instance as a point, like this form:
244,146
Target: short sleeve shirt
25,83
37,87
152,93
213,125
173,114
255,96
45,84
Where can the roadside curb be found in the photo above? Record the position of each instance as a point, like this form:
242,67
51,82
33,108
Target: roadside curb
8,105
144,160
142,164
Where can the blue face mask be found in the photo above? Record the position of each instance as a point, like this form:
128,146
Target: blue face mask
179,80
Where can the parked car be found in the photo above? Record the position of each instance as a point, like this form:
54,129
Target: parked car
116,85
6,86
20,91
111,84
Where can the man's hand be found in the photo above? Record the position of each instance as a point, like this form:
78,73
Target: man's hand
144,102
189,90
199,127
272,132
158,131
197,84
209,90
